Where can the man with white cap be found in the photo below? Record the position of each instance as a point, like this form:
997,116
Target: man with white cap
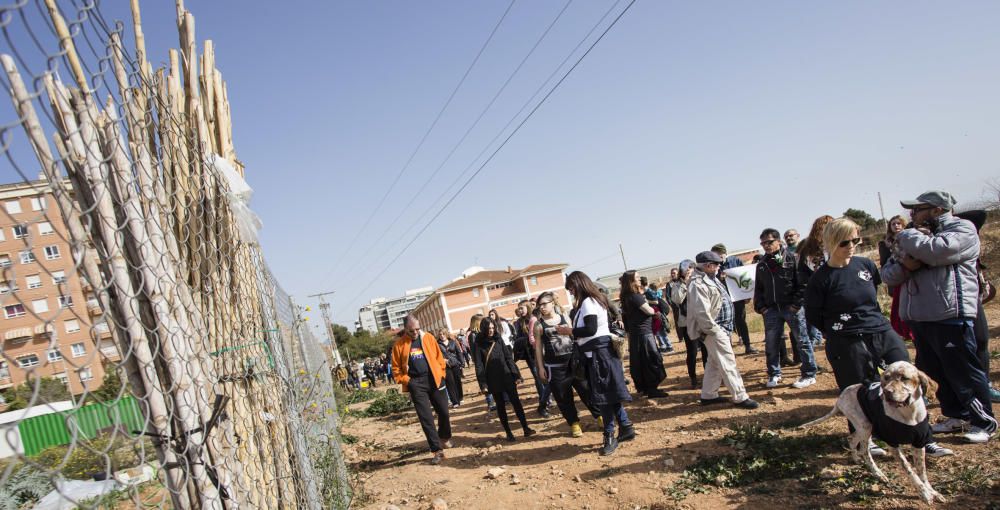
935,264
710,317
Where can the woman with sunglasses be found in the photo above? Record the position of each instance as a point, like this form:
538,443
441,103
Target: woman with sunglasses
500,376
553,353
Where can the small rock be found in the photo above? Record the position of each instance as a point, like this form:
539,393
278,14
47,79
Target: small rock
829,474
514,480
777,401
439,504
562,496
495,472
577,479
612,490
876,487
667,462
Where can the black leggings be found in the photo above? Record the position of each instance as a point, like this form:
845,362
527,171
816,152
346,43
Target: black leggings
453,379
692,353
501,397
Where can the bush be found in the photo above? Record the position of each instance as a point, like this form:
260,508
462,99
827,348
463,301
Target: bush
49,390
25,485
390,402
102,454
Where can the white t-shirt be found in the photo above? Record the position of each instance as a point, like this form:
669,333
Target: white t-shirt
590,306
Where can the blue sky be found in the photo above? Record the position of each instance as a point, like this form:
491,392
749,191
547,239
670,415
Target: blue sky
691,123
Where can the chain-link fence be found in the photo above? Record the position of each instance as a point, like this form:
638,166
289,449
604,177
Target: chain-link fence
149,356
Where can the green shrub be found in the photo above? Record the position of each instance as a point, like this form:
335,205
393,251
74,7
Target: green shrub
25,485
101,454
390,402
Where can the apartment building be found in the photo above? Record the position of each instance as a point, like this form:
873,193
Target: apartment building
479,290
52,326
373,316
383,314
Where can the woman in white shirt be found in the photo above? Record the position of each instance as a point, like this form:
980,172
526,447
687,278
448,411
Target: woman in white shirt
602,367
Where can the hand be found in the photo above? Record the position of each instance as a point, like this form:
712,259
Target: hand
564,330
542,376
910,263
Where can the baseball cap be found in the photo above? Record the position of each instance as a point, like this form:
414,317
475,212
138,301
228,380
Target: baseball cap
708,256
941,199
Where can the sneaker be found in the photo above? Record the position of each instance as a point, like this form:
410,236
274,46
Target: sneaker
437,458
575,430
804,382
876,450
750,351
936,450
949,425
747,404
710,401
448,444
977,435
774,381
529,432
994,395
670,350
656,393
543,412
626,433
610,445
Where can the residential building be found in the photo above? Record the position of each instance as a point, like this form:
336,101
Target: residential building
397,309
373,316
52,326
479,290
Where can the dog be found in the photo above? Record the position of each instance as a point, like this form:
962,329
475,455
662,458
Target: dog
897,405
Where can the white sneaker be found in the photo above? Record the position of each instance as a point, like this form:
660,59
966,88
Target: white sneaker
977,435
875,450
936,450
774,381
949,425
804,382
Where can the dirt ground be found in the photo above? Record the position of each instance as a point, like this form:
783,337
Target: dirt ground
554,470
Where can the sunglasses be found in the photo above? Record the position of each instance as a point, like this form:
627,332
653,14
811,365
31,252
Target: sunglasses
847,242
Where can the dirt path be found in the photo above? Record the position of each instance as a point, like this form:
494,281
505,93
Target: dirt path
554,470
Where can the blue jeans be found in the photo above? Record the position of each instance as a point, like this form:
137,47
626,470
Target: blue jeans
611,413
663,342
774,323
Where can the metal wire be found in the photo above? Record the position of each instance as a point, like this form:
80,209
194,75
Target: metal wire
144,339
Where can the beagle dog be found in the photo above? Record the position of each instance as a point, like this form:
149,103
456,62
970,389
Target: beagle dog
892,410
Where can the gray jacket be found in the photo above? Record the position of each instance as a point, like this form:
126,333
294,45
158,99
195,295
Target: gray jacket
947,287
704,302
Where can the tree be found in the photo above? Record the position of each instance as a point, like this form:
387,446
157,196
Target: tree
862,218
48,389
111,387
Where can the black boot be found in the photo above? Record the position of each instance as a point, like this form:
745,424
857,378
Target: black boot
610,444
626,433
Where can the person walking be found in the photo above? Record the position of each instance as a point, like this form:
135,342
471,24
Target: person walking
841,300
553,355
710,318
419,367
661,326
602,368
453,359
936,267
679,297
524,349
473,335
342,376
739,307
811,255
669,291
645,361
499,375
778,296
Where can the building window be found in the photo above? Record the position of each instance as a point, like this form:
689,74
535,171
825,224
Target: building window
534,280
34,281
4,370
13,207
20,231
58,277
52,252
475,292
40,305
5,288
85,374
12,311
65,301
55,355
3,237
45,228
62,378
78,350
37,204
31,360
5,260
72,326
27,257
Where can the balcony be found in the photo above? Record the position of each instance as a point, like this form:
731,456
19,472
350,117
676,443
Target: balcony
94,307
102,329
110,352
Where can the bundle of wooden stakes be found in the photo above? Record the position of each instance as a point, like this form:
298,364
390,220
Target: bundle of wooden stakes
149,214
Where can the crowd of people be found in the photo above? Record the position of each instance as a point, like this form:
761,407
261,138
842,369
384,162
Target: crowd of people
818,288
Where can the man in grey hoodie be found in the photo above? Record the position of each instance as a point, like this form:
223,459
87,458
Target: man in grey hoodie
935,264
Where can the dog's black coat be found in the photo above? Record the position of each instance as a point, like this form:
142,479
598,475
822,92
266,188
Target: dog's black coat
887,429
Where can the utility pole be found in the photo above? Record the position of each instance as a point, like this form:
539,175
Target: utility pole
324,309
880,208
622,250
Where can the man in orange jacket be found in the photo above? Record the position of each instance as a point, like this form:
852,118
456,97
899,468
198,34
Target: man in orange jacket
419,367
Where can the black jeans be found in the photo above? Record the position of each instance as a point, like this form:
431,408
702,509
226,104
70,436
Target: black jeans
509,395
425,397
855,358
982,328
561,385
453,380
947,353
692,346
740,322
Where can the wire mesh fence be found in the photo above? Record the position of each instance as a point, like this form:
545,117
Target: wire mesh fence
149,356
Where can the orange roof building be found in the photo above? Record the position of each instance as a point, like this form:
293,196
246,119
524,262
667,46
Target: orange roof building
479,290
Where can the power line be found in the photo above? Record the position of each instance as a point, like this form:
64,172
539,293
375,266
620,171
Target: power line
421,143
495,152
529,102
458,144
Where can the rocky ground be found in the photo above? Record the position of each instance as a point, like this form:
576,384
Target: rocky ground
685,455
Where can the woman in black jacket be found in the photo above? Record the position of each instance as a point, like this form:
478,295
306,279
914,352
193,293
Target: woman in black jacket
498,375
453,373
